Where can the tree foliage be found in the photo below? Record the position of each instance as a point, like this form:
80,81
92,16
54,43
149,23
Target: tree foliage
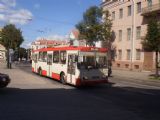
22,53
90,26
11,37
152,38
94,27
107,35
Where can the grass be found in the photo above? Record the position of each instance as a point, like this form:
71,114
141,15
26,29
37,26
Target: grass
154,77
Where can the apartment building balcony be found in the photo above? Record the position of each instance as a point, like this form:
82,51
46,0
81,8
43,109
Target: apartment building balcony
151,9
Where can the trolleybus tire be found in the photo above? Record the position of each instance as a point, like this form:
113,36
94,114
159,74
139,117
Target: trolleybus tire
62,79
40,72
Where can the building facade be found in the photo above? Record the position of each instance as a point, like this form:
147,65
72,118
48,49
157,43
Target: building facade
74,38
2,53
44,43
129,19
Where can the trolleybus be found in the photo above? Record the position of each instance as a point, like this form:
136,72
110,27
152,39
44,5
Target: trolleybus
72,65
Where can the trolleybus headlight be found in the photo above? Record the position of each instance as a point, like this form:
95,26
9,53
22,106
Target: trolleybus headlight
104,76
85,78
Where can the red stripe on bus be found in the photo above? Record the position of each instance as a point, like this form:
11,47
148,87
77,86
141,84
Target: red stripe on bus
32,69
87,49
55,76
44,72
79,82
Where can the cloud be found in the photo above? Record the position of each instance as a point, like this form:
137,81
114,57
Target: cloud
9,13
2,17
2,7
21,16
10,3
54,37
26,44
37,6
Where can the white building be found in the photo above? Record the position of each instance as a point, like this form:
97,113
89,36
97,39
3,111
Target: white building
44,43
2,53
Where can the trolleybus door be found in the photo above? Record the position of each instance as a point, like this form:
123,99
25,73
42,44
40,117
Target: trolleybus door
71,68
49,65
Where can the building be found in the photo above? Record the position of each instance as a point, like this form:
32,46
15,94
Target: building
74,38
2,53
129,19
44,43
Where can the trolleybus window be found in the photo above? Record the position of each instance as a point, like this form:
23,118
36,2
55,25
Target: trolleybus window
63,57
49,59
56,56
92,62
42,56
34,57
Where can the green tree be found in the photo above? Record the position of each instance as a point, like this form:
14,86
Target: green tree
152,38
11,38
94,28
107,35
90,26
22,53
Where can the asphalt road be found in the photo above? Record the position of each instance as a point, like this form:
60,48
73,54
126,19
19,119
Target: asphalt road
31,97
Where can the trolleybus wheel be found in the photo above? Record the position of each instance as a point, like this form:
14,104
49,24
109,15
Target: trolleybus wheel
40,72
62,79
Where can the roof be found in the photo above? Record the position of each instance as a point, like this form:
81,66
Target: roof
49,42
75,32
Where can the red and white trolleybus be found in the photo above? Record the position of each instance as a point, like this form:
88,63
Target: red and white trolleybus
73,65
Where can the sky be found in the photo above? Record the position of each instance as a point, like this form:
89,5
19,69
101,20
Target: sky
52,19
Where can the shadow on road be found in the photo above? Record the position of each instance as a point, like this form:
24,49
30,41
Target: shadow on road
95,103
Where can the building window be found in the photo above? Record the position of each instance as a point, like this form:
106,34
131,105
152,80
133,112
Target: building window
119,54
129,34
149,3
120,13
120,35
129,10
138,7
138,32
128,54
113,15
138,54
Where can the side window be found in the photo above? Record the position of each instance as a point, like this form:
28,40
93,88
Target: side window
56,56
42,57
34,57
63,57
49,59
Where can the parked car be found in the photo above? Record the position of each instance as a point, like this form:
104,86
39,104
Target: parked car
4,80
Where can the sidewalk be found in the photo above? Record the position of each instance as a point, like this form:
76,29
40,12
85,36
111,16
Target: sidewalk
138,77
